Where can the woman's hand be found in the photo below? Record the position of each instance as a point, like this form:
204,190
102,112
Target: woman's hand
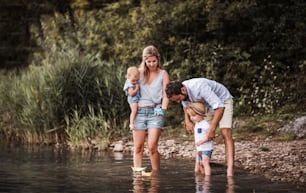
132,126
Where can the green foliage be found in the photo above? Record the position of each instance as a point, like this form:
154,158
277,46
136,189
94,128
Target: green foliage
254,47
78,128
266,125
174,115
246,45
71,91
285,136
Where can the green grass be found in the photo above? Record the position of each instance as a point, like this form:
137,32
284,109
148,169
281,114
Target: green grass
266,125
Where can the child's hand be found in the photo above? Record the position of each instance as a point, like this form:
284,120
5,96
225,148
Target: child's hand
200,142
137,87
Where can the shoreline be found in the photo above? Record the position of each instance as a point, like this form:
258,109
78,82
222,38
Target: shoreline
279,161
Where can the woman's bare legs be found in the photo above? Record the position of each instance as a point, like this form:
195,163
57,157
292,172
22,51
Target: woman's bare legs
153,137
138,140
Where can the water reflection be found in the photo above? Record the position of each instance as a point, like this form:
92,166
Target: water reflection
45,170
143,184
230,184
202,183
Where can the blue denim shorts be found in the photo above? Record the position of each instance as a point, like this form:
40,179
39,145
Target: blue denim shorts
146,119
134,99
200,154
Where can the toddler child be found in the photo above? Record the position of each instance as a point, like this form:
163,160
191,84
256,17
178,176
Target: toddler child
131,88
204,147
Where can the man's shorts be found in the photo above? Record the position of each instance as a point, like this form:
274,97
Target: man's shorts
227,118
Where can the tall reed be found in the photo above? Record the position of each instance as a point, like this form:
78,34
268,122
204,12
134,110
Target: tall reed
73,98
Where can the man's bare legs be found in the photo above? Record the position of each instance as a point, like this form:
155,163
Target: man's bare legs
229,150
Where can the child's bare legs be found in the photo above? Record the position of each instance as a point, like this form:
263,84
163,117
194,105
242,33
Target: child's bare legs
206,164
134,108
198,168
207,183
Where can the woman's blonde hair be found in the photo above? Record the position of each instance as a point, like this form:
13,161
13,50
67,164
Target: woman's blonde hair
196,108
148,52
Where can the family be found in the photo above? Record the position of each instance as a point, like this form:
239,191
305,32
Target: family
207,105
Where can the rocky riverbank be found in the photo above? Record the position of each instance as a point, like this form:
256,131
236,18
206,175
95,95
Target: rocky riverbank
276,160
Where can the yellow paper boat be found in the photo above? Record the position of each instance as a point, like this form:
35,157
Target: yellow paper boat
138,169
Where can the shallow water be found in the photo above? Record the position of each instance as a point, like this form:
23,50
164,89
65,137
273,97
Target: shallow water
43,170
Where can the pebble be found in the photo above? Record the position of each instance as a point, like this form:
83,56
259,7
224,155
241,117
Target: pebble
276,160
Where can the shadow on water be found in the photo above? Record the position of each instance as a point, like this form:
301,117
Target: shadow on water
36,170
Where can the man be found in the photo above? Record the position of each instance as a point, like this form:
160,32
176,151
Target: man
220,103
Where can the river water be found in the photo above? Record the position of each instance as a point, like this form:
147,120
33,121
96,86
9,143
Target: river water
45,170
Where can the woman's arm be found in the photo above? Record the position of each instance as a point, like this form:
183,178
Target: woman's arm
165,99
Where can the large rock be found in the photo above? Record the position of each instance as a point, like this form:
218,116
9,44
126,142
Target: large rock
297,127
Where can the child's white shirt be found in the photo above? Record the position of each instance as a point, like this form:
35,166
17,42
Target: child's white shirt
200,132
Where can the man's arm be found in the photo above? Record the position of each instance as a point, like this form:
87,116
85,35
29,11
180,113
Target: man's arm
214,122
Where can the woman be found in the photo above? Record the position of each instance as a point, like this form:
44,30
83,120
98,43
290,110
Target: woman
151,107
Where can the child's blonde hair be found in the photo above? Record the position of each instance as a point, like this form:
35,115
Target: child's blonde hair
196,108
132,73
